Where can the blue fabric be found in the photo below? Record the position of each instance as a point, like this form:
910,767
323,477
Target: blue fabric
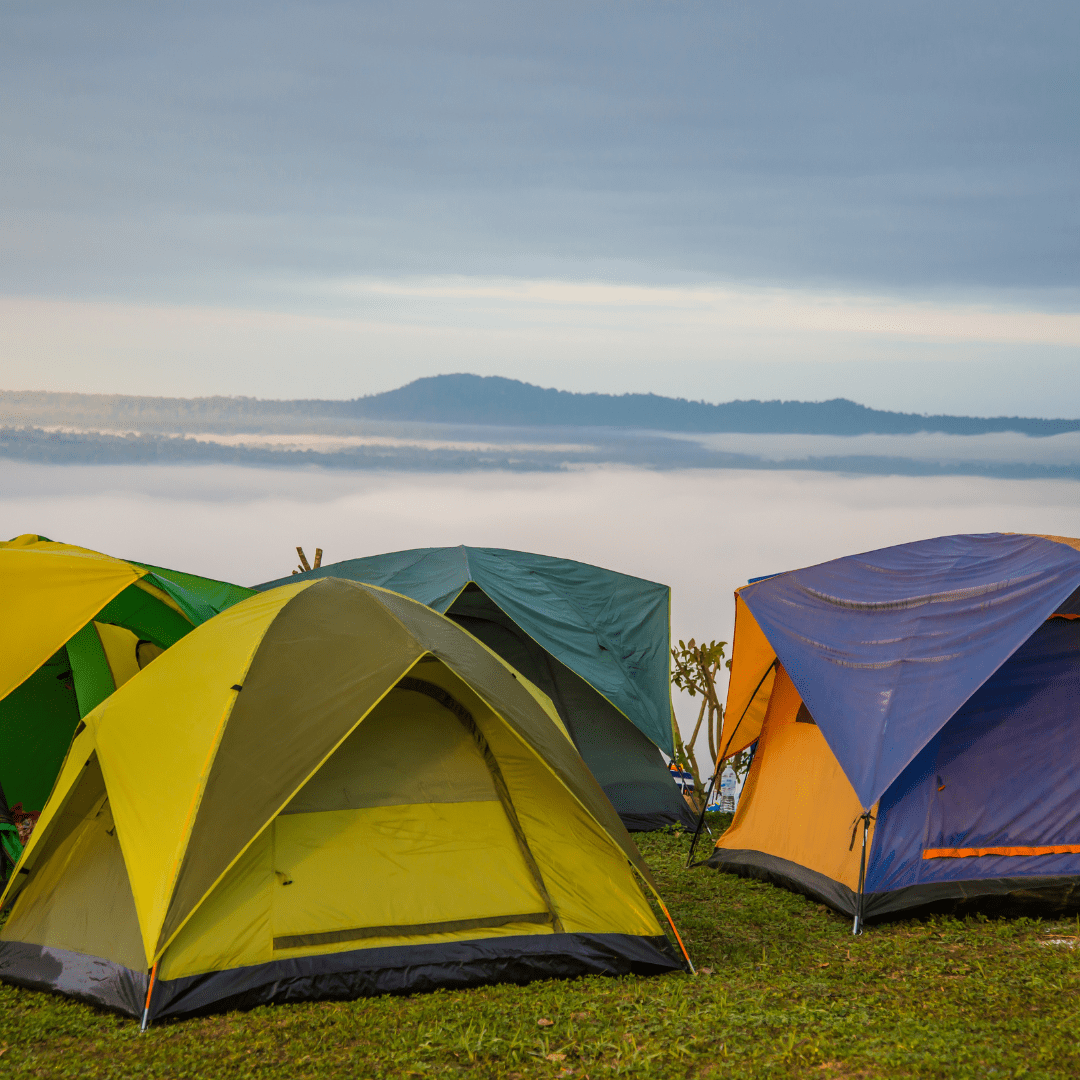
1004,772
612,629
885,647
1071,606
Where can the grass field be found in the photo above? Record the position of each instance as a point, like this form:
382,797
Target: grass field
783,990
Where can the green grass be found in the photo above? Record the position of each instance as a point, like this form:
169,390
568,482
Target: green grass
784,990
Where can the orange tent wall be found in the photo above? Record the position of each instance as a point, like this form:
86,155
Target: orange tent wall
797,804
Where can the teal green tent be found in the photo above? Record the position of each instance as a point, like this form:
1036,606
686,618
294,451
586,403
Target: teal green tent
595,641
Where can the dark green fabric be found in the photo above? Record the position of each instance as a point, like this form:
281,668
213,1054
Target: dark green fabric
9,839
147,617
198,592
90,669
37,720
612,629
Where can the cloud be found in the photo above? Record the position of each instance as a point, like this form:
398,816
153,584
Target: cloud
181,153
723,309
707,198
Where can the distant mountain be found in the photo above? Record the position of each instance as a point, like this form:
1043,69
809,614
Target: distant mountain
475,399
492,400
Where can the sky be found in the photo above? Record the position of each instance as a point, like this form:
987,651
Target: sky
710,200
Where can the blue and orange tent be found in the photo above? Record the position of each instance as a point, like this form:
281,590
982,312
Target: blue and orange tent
916,713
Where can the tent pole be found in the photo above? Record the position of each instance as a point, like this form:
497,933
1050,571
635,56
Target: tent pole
701,816
857,927
719,762
674,930
149,990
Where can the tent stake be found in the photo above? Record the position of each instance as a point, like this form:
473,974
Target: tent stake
857,927
149,990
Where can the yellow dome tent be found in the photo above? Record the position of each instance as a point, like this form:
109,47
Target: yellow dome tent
328,790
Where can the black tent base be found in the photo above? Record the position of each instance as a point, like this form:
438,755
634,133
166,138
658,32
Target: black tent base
1046,897
789,875
1042,897
402,969
658,819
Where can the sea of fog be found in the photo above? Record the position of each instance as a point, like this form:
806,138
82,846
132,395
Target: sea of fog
998,448
703,532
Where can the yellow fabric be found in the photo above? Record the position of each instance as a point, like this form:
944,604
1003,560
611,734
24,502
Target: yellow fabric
590,882
797,803
31,541
577,850
748,696
156,738
397,866
26,540
413,862
49,592
321,666
120,650
404,752
232,927
80,900
79,753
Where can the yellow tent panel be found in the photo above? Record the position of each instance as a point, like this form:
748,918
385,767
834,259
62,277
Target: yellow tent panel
49,594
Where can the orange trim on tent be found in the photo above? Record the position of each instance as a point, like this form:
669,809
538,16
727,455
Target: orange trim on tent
973,852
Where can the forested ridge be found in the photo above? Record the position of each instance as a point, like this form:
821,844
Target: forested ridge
474,399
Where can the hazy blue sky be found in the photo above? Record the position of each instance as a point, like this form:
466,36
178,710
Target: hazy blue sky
710,199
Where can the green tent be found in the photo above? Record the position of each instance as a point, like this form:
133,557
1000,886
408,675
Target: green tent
217,595
595,641
76,625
